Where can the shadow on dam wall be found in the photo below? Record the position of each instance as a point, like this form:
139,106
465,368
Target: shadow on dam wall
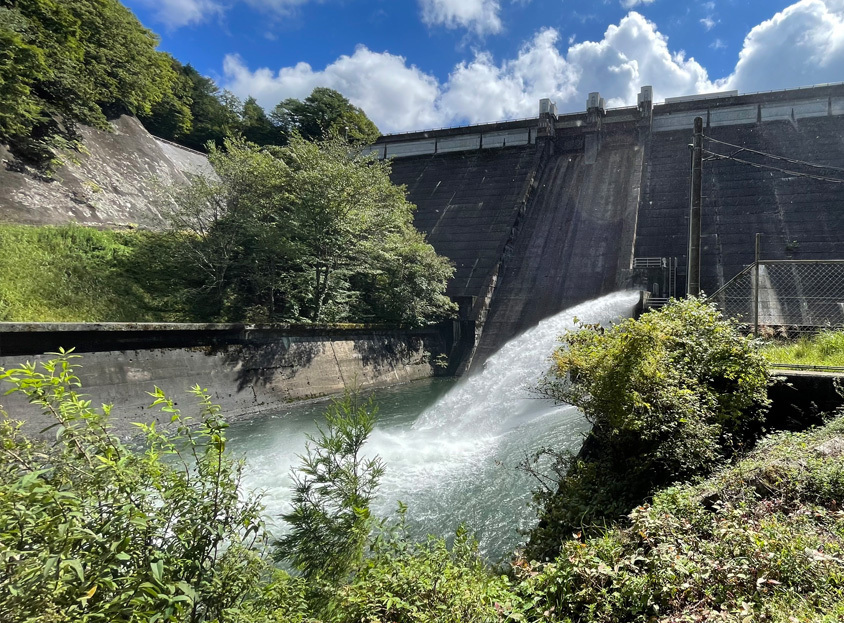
575,239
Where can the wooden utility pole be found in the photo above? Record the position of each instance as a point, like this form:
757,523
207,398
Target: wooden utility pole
693,273
756,285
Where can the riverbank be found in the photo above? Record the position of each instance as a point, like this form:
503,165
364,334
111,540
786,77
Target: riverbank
249,369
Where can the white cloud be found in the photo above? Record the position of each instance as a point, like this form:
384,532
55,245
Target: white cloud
718,44
801,45
631,54
394,95
708,22
481,16
177,13
629,4
401,97
804,44
482,90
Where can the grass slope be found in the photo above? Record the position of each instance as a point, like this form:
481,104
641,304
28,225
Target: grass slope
762,540
72,274
823,349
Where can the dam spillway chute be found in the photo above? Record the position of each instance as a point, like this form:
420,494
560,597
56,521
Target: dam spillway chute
451,453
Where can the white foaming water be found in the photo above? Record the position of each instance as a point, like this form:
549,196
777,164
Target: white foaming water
500,394
456,462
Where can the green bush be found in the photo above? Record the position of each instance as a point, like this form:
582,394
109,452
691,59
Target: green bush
430,582
669,396
760,541
92,529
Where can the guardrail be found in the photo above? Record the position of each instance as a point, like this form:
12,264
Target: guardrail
800,366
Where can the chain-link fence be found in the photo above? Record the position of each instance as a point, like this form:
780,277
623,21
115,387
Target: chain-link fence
792,296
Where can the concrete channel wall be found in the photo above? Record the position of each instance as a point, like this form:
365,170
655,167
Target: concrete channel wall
247,369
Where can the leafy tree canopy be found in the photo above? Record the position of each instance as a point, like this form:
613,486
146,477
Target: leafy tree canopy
323,113
312,232
75,61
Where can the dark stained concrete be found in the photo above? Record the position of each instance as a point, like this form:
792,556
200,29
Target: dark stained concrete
799,218
467,204
576,237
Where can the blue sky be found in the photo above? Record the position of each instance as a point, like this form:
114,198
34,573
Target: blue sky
415,64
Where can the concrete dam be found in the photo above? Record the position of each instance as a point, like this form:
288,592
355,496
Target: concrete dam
542,214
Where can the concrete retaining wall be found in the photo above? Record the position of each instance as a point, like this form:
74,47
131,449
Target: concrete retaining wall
247,370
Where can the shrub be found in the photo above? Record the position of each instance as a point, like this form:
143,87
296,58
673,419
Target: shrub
670,396
762,540
429,582
334,486
92,529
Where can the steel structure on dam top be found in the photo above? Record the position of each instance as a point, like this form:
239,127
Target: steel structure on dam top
543,213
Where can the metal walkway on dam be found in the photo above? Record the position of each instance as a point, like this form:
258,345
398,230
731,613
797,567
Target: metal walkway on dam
544,213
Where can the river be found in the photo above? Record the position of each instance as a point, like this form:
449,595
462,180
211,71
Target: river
451,448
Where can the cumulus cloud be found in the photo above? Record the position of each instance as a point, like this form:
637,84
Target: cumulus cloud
177,13
398,96
394,95
801,45
483,90
708,22
480,16
629,4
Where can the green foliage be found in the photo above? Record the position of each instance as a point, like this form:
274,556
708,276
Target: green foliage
760,541
74,61
430,582
212,117
92,529
83,274
822,349
312,232
324,113
335,484
670,396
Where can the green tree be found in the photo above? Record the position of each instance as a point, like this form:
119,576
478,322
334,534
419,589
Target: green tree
670,396
256,126
309,232
324,113
75,61
334,487
173,117
210,119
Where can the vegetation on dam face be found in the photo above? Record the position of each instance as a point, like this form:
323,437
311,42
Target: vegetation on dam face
93,529
310,232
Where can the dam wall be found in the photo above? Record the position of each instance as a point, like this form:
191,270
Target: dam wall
799,217
247,369
603,198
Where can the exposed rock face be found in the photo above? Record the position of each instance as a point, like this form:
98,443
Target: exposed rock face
113,183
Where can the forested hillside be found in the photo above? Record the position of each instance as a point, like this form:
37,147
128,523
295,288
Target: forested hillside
69,62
